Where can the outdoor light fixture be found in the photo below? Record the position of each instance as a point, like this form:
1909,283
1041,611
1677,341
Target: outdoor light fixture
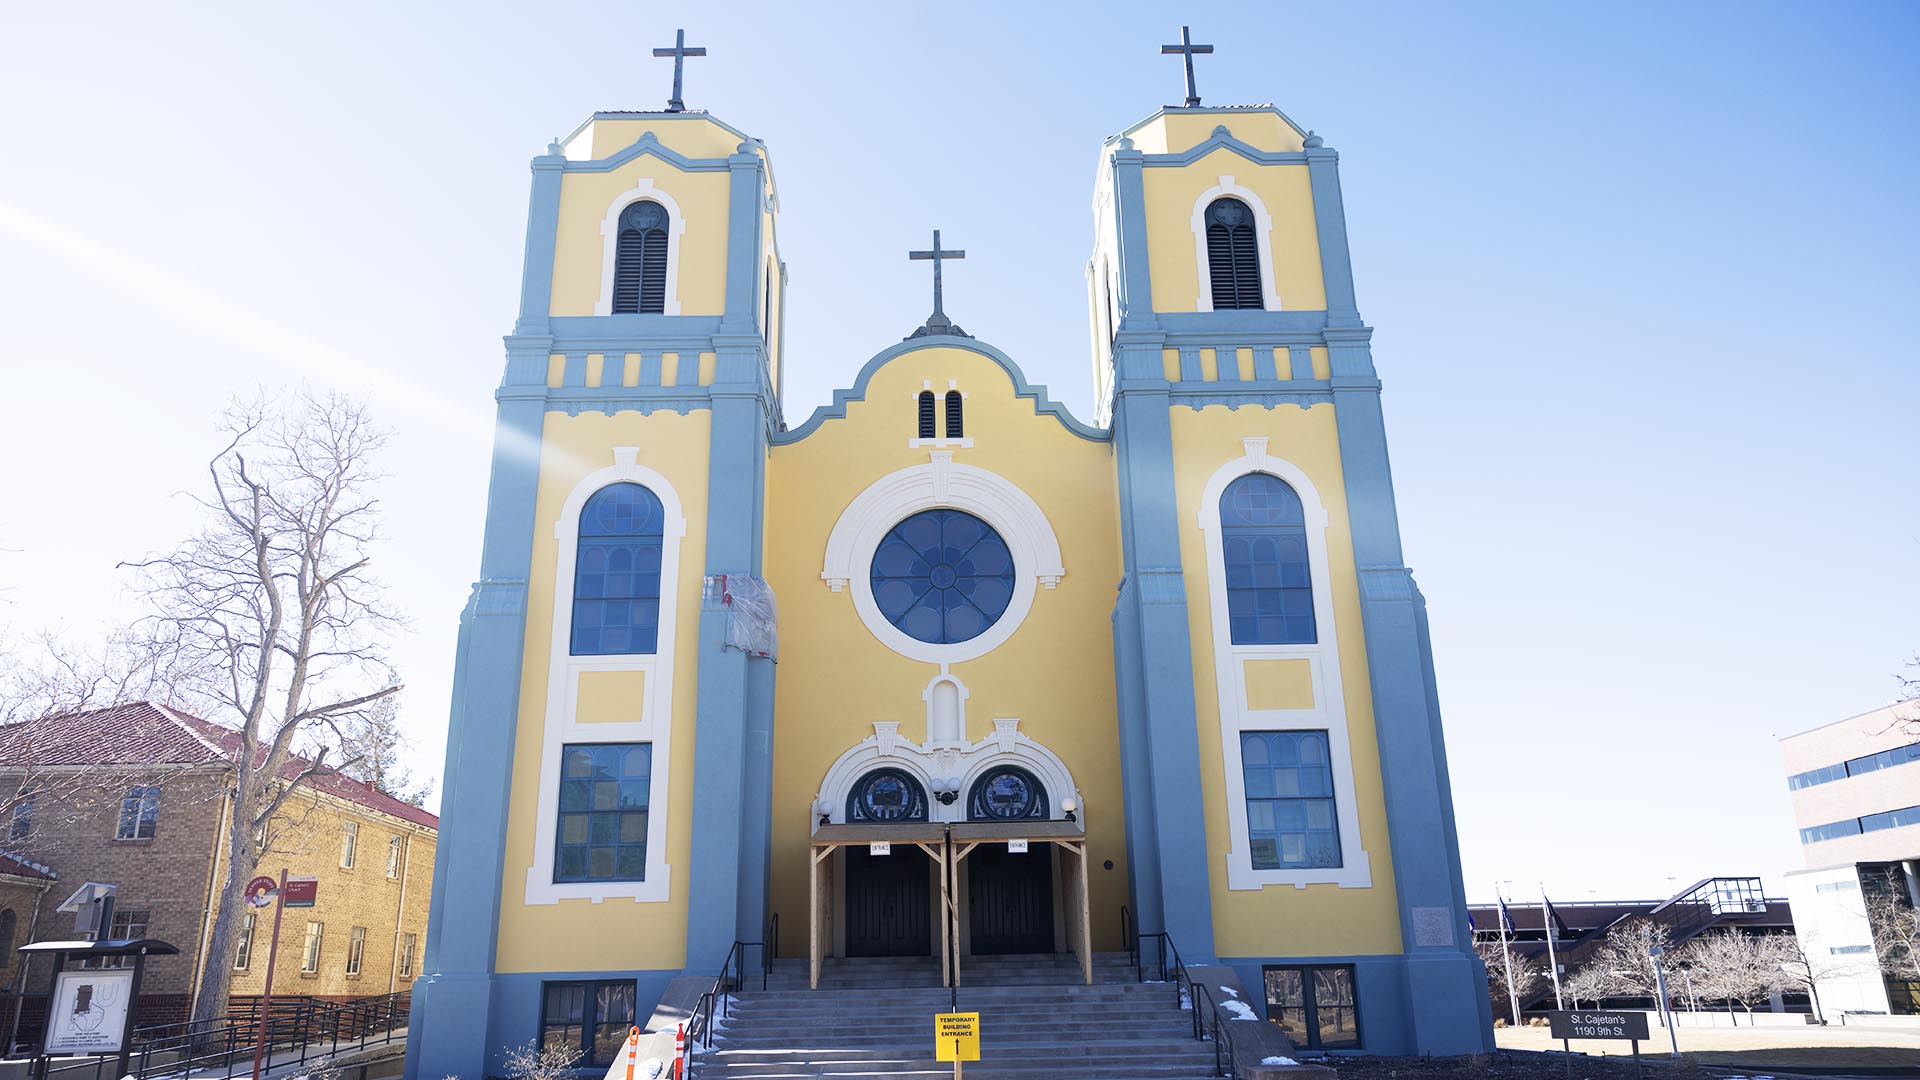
946,789
825,809
1070,805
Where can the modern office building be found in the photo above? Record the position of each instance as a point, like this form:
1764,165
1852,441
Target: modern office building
1855,785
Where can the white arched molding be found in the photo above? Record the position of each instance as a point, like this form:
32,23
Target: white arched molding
642,189
655,723
1329,710
1262,237
963,761
942,483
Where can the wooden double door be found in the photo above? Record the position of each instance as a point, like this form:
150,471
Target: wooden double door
889,902
1009,900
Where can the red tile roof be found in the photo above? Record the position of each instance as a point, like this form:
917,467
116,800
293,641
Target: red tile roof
143,733
14,866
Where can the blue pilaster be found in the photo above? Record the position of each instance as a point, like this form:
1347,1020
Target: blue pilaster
456,985
733,733
543,228
1445,982
1130,208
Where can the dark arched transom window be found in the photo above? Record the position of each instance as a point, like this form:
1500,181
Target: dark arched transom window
640,260
887,795
1263,529
1233,260
1006,793
616,575
942,576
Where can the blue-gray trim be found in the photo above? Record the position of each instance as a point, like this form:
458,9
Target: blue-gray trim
514,1019
1037,393
1222,139
1163,755
1130,210
1210,110
464,918
1330,222
543,228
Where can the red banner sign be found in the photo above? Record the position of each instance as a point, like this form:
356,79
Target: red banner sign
302,891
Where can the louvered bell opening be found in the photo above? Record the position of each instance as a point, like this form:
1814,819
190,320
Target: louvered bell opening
954,429
1233,267
640,272
926,414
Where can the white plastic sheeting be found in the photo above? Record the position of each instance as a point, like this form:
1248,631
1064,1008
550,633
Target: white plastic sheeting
750,615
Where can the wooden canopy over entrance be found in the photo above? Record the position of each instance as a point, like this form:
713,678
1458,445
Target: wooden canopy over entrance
948,844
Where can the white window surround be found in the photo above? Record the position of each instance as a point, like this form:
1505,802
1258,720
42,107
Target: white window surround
968,761
1262,235
942,483
563,687
642,189
1329,712
940,416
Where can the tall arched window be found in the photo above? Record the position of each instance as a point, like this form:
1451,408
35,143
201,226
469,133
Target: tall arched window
640,260
926,414
1233,258
616,577
1263,529
954,428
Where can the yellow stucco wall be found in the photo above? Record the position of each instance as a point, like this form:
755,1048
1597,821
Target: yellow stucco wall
617,934
1322,920
1176,131
1171,195
1056,671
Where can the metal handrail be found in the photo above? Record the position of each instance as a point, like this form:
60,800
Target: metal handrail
1127,935
773,945
314,1027
701,1027
1186,990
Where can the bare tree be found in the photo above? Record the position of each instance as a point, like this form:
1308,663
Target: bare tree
1896,934
373,750
1588,983
1626,956
1735,967
272,605
1527,973
535,1062
1802,970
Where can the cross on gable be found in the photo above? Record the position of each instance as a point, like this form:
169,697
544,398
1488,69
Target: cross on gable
938,323
1186,50
679,52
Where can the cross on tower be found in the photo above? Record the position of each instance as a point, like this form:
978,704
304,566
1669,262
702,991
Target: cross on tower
1186,49
938,323
680,52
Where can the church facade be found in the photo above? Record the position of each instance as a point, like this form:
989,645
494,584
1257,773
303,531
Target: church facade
1169,658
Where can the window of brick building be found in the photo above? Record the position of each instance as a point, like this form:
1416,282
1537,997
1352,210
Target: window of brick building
139,814
310,949
20,826
127,923
356,950
393,856
349,843
406,956
243,953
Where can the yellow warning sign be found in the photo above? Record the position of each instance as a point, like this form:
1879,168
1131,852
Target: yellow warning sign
956,1036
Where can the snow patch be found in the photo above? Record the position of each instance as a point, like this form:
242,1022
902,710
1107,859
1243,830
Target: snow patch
1239,1010
1276,1060
1230,991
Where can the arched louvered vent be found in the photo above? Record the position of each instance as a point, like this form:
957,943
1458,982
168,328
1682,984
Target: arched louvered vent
926,414
954,427
1233,262
640,261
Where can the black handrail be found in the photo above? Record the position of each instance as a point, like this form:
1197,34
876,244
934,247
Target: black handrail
1187,992
1133,941
224,1046
773,945
724,987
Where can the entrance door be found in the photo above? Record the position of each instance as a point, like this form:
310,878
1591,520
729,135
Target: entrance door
888,903
1010,899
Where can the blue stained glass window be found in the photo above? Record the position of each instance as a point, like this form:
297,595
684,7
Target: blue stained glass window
1006,794
942,576
1263,528
604,792
887,795
616,574
1290,809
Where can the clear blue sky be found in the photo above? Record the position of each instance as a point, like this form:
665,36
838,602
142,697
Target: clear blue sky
1637,272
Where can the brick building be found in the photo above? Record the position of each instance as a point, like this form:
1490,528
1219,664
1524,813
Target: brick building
135,796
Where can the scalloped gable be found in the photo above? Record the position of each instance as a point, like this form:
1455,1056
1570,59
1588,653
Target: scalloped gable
1037,393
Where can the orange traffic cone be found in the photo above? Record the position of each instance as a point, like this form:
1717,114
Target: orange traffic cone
633,1051
680,1052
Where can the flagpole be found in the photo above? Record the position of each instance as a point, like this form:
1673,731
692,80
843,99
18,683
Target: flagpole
1553,964
1506,956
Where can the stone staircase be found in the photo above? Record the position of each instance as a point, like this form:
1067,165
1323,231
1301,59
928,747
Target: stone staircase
1039,1021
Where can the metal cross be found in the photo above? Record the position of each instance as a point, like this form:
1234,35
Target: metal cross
938,253
680,52
1186,48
